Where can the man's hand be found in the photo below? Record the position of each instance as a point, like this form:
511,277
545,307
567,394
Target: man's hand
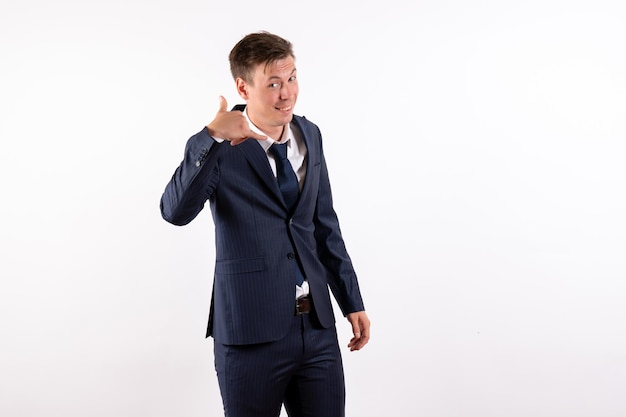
231,126
360,328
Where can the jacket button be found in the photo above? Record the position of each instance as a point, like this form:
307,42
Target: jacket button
291,256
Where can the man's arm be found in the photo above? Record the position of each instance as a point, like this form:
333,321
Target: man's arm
190,186
331,248
334,256
186,193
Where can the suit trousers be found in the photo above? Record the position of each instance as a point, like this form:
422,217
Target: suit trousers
303,371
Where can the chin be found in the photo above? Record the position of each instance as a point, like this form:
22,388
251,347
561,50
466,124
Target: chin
285,119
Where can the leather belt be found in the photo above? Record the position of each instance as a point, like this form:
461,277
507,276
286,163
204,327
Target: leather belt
303,305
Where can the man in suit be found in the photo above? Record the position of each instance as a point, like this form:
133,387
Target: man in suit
278,243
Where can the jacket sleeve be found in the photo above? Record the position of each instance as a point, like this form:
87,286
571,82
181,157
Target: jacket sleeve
192,182
332,251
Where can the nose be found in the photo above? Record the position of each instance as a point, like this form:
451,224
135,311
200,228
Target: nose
287,91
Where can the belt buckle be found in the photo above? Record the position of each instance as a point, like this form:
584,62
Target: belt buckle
303,305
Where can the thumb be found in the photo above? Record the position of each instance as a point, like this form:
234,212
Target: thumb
223,105
356,329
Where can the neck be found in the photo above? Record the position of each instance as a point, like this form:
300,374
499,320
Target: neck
274,132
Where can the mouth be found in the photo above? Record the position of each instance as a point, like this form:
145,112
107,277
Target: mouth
283,109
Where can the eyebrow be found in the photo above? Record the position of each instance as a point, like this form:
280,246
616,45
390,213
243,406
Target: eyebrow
274,77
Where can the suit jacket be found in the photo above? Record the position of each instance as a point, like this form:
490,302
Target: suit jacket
258,242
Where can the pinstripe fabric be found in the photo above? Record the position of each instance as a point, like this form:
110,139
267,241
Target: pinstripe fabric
258,241
265,355
303,371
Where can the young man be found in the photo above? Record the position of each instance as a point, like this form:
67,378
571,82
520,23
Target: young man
278,243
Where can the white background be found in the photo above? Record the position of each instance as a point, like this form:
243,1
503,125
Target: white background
476,150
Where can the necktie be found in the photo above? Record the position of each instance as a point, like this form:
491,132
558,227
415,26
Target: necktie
287,180
288,184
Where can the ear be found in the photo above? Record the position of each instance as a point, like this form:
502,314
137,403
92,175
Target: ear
242,88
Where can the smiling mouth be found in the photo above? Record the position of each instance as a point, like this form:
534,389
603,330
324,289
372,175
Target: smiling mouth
283,108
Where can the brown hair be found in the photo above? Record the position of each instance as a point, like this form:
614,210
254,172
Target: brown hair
254,49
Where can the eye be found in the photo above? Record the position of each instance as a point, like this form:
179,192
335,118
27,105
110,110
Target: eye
292,78
274,85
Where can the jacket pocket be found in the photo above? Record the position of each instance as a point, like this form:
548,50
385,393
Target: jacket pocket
239,266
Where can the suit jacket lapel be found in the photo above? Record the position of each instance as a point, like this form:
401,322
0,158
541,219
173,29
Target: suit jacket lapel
310,157
257,157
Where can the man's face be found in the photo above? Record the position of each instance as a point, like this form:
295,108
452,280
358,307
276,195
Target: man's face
271,96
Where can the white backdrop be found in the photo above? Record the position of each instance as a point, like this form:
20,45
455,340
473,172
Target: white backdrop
476,150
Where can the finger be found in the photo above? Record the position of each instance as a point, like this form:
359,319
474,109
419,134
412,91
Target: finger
357,344
361,330
256,136
223,105
251,135
365,337
353,343
235,142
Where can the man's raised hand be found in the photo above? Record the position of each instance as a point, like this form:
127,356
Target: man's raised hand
231,126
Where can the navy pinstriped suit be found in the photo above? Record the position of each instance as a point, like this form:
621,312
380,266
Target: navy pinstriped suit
256,237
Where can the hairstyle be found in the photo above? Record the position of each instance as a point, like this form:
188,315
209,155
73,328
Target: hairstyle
254,49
